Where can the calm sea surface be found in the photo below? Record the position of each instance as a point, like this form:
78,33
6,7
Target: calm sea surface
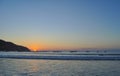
32,67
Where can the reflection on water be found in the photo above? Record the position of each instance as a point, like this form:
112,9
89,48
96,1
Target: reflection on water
28,67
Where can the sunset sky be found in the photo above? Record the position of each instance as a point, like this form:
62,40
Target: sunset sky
61,24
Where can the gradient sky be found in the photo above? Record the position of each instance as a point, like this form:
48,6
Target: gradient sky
61,24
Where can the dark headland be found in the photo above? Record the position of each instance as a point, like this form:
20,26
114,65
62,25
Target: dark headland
9,46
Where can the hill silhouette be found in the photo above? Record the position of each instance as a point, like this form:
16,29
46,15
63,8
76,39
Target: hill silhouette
9,46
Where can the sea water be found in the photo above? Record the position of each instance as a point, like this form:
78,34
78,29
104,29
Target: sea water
42,67
33,67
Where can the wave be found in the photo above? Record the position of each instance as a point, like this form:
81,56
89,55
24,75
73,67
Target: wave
63,57
60,56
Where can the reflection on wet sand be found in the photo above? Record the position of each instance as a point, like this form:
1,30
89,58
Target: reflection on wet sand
29,67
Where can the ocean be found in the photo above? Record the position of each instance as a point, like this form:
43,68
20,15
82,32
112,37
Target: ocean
49,67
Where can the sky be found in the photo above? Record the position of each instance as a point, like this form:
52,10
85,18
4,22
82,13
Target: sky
61,24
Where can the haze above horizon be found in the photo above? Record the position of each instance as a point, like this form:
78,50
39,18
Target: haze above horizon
61,24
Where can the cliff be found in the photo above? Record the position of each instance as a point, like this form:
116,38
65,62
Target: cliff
9,46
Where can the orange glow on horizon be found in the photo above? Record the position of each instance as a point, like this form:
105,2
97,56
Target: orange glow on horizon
41,47
36,47
33,47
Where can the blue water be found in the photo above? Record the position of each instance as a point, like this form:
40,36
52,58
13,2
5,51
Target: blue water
93,55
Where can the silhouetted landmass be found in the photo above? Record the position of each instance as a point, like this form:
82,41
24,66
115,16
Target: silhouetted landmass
9,46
